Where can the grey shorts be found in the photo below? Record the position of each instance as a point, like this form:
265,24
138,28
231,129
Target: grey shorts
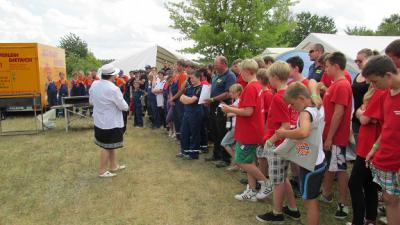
228,138
336,159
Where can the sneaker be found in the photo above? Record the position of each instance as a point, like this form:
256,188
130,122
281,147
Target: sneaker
383,220
222,164
265,190
180,155
370,222
188,157
295,215
247,195
327,199
270,217
342,211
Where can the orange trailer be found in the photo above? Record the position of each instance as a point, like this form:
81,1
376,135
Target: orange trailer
24,68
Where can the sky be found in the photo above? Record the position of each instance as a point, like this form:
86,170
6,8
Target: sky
114,29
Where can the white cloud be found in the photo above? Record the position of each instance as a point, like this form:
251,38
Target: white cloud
116,28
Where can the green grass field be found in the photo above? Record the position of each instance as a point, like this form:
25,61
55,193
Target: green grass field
51,178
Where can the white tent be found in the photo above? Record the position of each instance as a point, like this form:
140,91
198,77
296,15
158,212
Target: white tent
153,56
273,52
347,44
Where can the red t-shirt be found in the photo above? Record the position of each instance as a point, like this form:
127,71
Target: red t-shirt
267,96
328,81
338,93
204,82
278,113
387,158
294,115
369,133
249,130
239,80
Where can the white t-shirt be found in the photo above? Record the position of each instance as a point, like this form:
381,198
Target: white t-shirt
159,97
108,104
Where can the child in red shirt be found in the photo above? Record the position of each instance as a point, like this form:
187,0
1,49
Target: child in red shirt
385,153
278,117
249,130
338,107
262,77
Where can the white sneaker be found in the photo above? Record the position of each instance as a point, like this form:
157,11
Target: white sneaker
265,190
247,195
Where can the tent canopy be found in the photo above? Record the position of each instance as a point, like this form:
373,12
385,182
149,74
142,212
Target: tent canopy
347,44
154,56
275,51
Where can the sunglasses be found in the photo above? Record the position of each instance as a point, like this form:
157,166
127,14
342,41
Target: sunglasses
358,61
311,51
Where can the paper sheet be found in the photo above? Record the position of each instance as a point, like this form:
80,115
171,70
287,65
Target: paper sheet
205,93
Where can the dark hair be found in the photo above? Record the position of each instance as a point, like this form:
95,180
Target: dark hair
379,66
296,61
198,74
181,62
337,58
106,77
319,47
162,72
322,58
393,48
368,52
205,73
268,59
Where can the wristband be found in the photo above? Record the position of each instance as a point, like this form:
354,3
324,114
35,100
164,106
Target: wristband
375,146
212,99
269,143
314,95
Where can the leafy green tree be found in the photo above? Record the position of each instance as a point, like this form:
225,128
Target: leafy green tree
234,28
73,44
390,26
307,23
359,31
77,54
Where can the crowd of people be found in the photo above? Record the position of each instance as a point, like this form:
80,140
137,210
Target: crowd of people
258,108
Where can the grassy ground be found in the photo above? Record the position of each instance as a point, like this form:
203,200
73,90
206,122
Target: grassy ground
51,178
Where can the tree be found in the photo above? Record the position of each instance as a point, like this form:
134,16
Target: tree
234,28
390,26
77,55
307,23
74,45
359,31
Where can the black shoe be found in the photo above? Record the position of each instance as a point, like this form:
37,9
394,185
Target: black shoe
244,181
342,211
222,164
188,157
295,215
271,217
210,159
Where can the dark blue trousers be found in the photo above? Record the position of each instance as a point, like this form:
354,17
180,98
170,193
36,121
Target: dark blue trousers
190,132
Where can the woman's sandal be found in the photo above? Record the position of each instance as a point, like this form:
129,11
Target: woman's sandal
119,167
107,174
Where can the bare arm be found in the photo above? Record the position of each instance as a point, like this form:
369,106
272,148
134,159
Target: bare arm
275,137
300,132
335,122
245,112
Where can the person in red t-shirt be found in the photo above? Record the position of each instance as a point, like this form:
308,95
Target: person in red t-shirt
262,77
337,103
382,73
249,130
363,191
278,117
327,81
236,71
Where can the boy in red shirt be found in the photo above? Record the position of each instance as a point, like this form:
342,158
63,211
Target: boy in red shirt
385,153
249,130
337,104
278,117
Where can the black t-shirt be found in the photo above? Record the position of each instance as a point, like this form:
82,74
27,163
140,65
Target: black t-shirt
143,77
359,89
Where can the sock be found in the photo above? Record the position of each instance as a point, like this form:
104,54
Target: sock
276,213
293,209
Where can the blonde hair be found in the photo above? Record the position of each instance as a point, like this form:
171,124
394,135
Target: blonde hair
295,90
262,75
236,88
260,62
368,95
250,65
280,70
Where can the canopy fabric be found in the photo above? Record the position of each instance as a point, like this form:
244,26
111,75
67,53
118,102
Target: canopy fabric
154,56
349,45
